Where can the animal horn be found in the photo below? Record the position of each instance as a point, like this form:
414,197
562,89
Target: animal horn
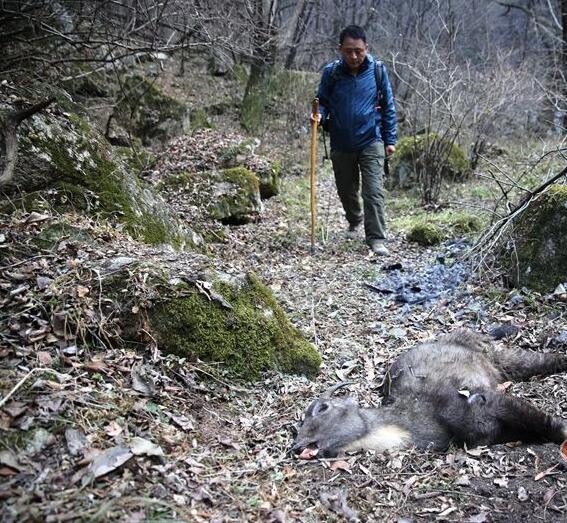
337,386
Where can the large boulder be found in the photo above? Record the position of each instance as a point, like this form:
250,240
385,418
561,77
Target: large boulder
234,320
422,154
95,293
149,113
537,255
231,196
211,149
64,157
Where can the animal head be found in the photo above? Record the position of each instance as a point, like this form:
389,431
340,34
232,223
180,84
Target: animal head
329,424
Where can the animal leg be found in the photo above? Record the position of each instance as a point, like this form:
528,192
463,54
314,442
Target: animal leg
520,365
488,417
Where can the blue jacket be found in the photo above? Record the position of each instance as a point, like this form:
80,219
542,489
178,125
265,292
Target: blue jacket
351,102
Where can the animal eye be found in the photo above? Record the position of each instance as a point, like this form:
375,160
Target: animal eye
320,408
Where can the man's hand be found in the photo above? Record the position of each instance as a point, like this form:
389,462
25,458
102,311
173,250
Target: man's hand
315,118
390,149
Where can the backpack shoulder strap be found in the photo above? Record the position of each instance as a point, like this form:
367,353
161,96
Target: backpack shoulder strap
378,75
334,75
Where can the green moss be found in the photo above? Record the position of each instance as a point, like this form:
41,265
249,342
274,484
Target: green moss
450,223
90,180
465,223
270,180
540,259
148,112
200,119
154,231
268,172
252,336
236,206
242,177
425,234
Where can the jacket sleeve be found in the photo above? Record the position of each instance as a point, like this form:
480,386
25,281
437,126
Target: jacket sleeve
324,93
389,122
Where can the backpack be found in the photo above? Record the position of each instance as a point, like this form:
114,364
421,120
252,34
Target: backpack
333,77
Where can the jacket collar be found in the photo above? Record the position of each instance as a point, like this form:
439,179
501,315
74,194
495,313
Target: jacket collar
369,60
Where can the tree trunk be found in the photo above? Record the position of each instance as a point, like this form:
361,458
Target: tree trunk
262,63
9,121
564,60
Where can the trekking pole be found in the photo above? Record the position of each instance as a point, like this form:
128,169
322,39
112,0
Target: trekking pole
314,124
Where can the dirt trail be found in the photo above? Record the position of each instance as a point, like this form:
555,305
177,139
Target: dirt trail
358,332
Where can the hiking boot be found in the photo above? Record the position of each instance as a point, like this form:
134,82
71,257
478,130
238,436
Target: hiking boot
379,249
352,232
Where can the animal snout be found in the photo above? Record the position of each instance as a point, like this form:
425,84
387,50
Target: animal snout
297,447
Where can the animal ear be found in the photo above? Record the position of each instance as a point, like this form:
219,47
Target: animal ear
351,402
320,407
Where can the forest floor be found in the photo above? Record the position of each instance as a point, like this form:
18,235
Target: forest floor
203,447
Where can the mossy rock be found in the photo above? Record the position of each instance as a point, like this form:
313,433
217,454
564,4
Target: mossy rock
149,113
539,260
269,179
62,152
425,234
241,202
242,327
465,223
416,155
242,155
231,196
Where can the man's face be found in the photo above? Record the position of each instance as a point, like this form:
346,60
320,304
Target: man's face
353,52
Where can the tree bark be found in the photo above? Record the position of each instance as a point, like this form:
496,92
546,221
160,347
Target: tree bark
263,59
9,122
564,59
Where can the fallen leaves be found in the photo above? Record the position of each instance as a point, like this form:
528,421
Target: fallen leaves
170,435
184,422
141,382
336,502
106,462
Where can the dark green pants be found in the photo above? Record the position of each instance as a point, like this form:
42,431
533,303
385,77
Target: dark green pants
366,166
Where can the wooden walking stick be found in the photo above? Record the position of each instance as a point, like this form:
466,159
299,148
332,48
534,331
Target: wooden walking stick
314,124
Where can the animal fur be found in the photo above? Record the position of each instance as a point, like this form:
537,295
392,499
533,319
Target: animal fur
437,393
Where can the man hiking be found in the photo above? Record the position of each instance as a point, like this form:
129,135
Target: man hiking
357,107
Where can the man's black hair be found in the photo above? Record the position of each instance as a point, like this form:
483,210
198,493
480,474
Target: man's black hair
352,31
